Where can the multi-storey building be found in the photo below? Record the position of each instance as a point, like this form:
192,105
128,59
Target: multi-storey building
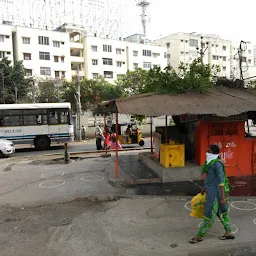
44,53
6,49
113,58
185,47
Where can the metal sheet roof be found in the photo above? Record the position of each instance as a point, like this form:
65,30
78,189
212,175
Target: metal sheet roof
219,101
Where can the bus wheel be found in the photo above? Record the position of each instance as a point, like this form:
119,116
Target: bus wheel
42,143
142,143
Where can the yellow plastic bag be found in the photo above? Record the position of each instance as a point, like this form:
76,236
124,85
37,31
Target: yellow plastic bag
197,205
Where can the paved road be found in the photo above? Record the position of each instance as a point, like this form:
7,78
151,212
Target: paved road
27,150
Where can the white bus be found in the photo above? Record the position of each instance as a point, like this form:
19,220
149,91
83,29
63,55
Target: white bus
37,124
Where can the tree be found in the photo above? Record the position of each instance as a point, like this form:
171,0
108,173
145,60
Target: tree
196,77
48,91
16,85
92,92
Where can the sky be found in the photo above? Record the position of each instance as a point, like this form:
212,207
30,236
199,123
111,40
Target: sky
231,19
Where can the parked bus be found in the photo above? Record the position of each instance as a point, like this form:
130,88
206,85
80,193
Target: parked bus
36,124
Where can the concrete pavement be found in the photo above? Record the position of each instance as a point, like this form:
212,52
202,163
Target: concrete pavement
141,226
48,208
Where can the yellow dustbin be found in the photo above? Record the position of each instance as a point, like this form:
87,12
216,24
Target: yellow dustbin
172,155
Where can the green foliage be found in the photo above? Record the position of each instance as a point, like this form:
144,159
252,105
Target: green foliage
197,76
15,82
92,92
48,91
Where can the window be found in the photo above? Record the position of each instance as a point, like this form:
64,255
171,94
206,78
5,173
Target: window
168,45
119,51
43,40
2,54
216,46
193,43
45,71
94,48
107,61
95,75
1,38
94,62
14,118
63,74
107,48
57,74
44,55
224,68
165,55
119,64
56,59
64,117
147,65
168,56
156,66
146,53
224,48
182,52
27,56
250,51
249,61
135,53
181,41
26,40
53,117
62,59
119,76
155,55
56,44
224,58
135,65
28,72
214,57
108,74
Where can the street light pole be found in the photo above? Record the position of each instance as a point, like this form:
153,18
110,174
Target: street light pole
202,50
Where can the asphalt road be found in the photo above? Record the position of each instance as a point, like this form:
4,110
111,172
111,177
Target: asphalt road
27,150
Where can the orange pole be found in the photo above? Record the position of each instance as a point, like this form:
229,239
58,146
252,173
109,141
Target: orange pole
116,143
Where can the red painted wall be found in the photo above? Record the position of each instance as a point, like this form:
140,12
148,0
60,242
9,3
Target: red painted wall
236,151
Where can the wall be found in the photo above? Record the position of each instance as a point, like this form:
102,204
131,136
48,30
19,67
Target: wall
90,121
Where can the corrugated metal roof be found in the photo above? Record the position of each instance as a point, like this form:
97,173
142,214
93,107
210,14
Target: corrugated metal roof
219,101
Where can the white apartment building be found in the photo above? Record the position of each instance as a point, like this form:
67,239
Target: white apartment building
44,53
185,47
113,58
6,49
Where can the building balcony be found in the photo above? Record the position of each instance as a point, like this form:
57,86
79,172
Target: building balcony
76,45
81,73
77,59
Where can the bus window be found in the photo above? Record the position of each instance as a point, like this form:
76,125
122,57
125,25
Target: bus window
53,117
64,117
32,116
12,118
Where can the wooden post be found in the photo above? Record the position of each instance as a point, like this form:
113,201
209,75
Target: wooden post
151,134
116,143
66,155
166,130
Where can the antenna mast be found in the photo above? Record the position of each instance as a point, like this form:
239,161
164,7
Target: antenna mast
143,4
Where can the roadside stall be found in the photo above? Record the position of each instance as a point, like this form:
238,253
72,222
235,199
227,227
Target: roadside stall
215,117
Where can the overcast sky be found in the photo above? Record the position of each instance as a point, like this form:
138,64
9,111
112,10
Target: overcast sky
232,19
